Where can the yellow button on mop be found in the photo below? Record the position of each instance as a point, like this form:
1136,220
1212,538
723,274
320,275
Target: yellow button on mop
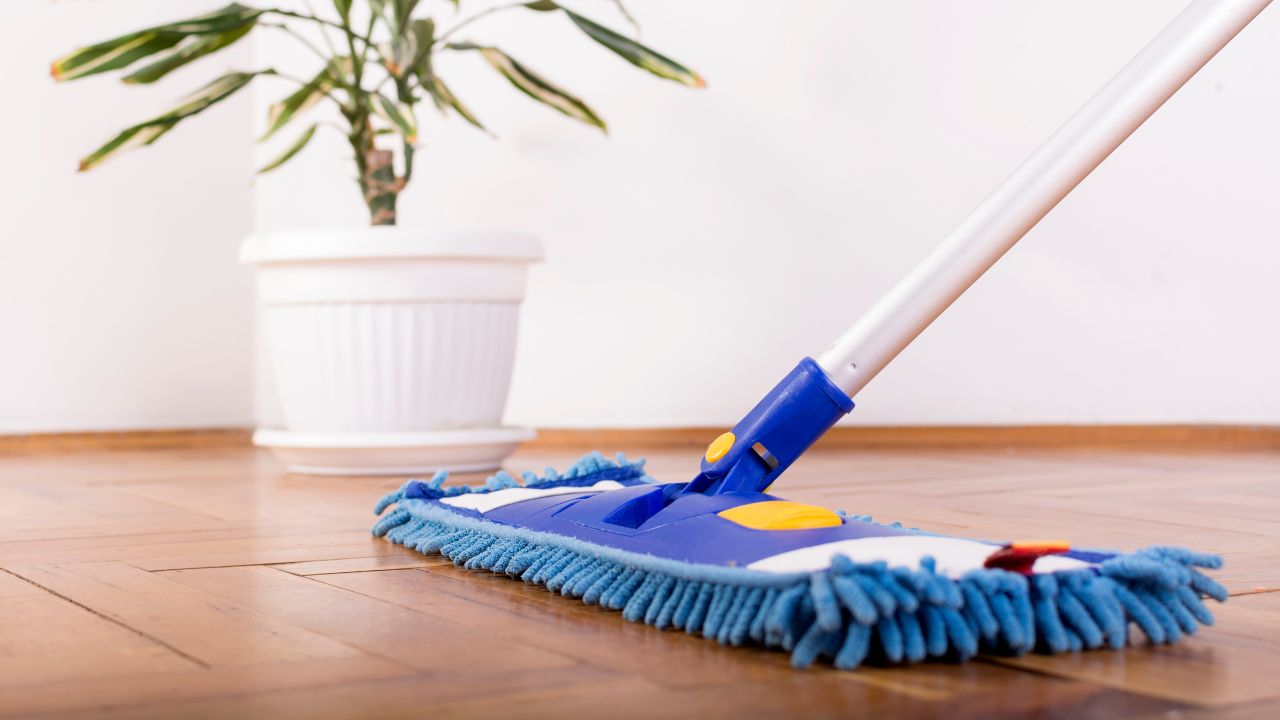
781,515
720,447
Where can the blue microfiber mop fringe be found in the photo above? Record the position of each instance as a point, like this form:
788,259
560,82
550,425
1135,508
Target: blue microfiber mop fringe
848,613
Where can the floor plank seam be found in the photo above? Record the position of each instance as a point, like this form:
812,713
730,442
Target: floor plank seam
364,650
1256,591
1040,672
274,565
149,637
286,529
343,572
313,578
171,505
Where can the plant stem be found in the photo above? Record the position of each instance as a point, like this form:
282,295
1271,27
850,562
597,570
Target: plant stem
477,16
373,18
327,23
300,38
382,187
324,32
378,182
405,95
631,20
357,61
367,39
361,136
377,178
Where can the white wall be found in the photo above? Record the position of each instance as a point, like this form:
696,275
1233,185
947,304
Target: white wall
717,236
711,240
121,302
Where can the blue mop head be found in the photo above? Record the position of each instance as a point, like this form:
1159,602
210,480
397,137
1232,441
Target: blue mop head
837,587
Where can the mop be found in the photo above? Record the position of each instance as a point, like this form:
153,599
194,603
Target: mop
721,557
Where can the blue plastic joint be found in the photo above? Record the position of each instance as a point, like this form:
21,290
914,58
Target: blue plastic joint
776,432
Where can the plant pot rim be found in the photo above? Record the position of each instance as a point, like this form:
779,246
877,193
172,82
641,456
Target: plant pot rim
381,243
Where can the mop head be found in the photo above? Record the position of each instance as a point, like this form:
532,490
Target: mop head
762,571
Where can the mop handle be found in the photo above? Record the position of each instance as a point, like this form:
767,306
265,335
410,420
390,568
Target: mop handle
1026,196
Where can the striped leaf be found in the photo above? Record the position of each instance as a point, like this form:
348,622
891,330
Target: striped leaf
535,86
399,55
403,11
637,54
398,115
445,98
423,32
231,16
187,52
146,133
111,55
120,52
300,100
136,136
410,46
294,148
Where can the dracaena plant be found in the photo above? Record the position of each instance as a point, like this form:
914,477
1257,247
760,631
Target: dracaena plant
376,65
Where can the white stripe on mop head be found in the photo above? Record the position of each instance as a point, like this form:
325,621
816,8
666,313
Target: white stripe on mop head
484,502
954,556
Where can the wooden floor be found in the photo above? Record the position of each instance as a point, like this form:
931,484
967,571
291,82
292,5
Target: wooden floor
205,582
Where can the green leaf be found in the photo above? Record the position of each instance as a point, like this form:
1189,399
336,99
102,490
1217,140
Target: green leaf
294,148
399,115
445,98
403,10
147,132
344,8
399,55
120,52
535,86
378,8
423,32
542,5
297,102
111,55
408,46
136,136
231,16
205,45
637,54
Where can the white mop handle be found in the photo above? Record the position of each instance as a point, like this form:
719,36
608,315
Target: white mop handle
1026,196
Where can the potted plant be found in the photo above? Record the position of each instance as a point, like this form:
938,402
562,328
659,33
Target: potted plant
392,349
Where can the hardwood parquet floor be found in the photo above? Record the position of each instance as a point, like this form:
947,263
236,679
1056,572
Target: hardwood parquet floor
206,582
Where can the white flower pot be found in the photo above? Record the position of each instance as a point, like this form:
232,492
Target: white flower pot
383,340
